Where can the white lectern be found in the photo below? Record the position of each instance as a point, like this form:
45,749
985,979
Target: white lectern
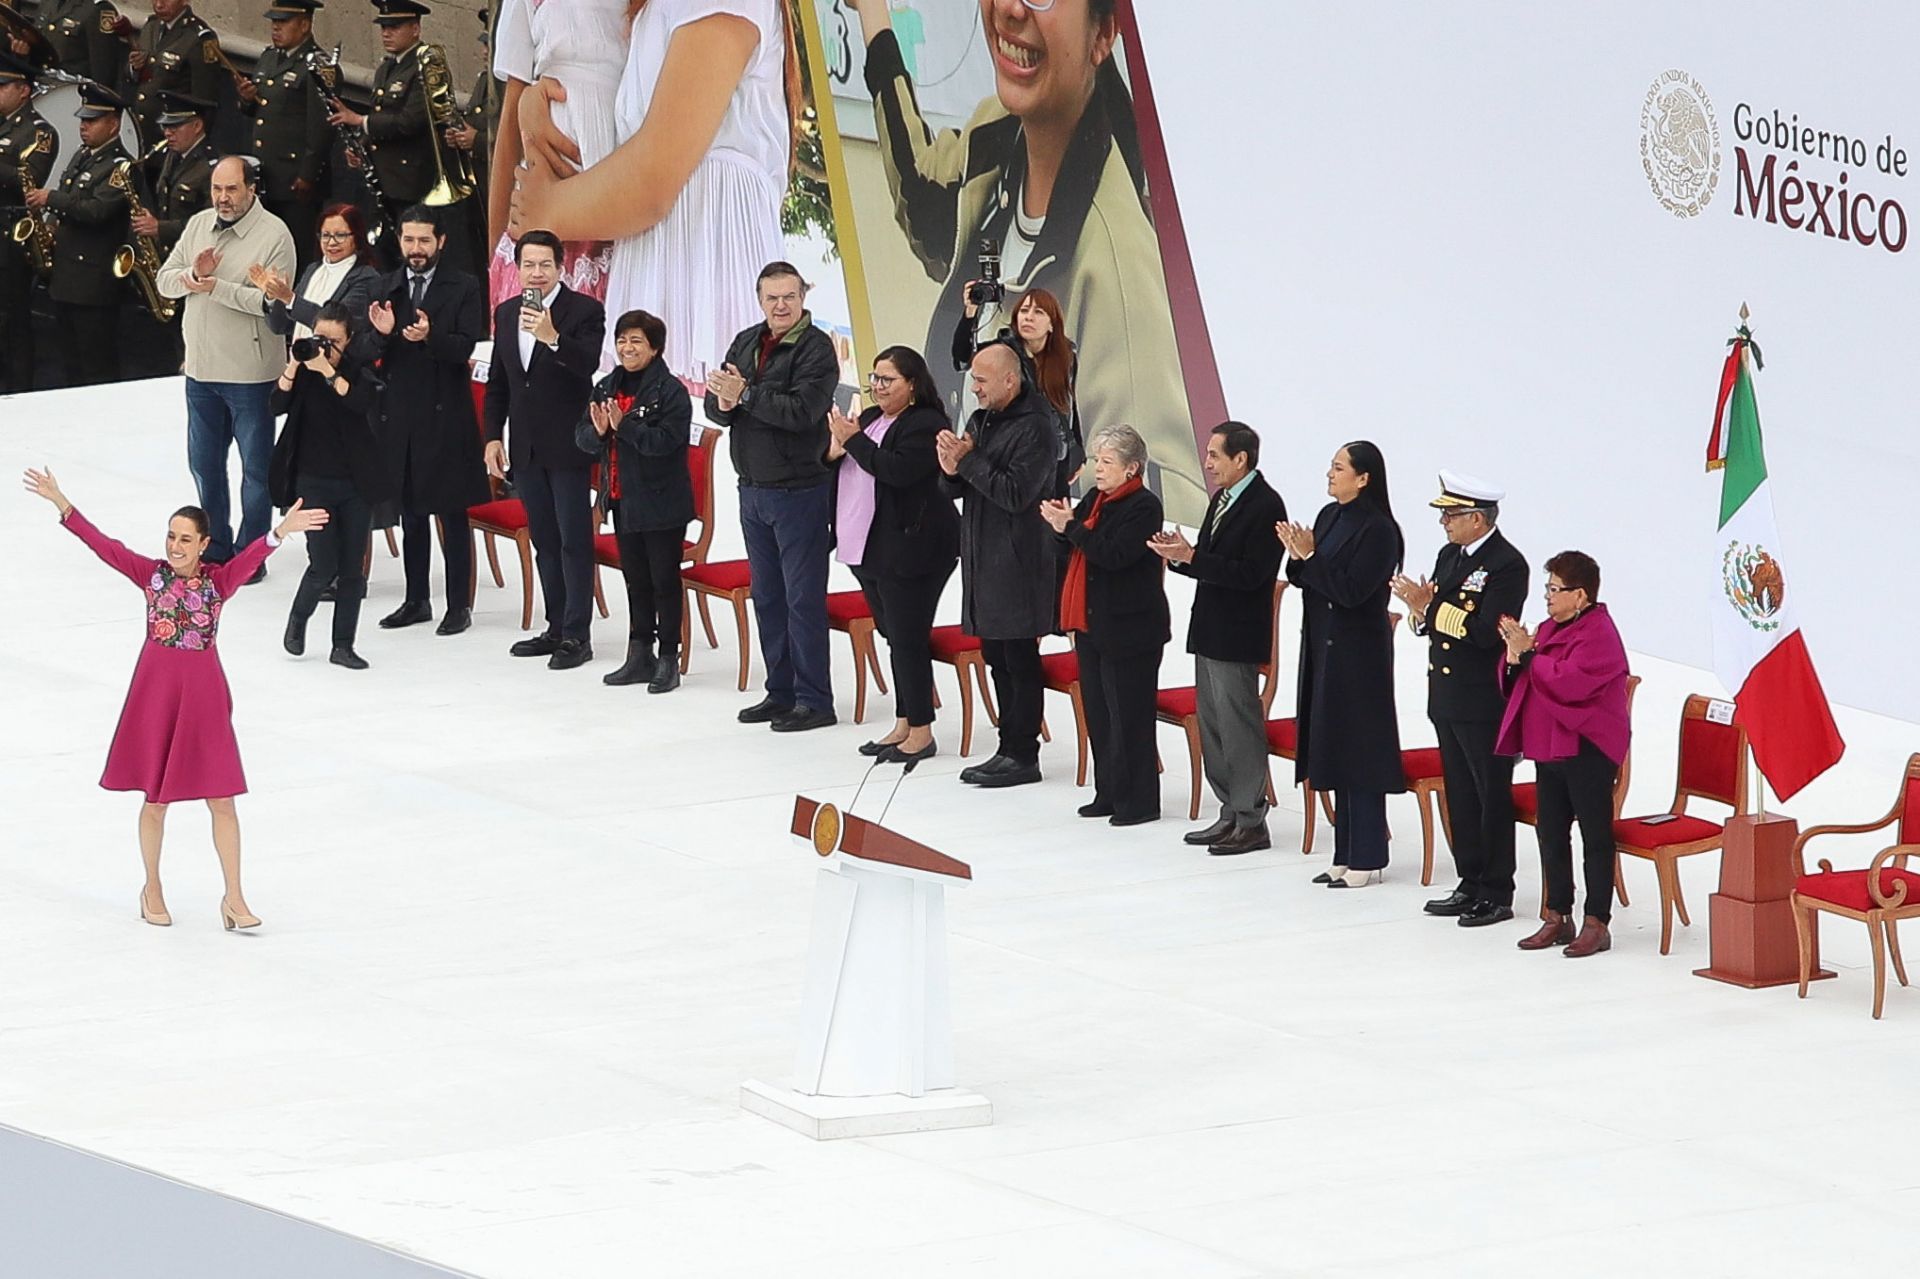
876,1033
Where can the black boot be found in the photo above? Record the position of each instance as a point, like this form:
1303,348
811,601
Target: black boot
295,640
638,668
666,674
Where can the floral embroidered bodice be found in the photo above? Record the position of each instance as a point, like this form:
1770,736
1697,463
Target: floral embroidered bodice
182,612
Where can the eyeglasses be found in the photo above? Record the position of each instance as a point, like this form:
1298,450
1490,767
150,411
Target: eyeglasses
1447,517
880,381
1552,590
336,235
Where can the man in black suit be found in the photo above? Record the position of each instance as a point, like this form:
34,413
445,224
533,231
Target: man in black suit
1235,566
425,319
544,358
1478,579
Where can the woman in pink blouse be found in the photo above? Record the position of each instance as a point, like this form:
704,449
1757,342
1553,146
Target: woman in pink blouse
175,738
1567,711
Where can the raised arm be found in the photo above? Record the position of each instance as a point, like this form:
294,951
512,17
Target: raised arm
925,169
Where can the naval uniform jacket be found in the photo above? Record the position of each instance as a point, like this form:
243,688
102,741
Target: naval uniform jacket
1462,629
93,226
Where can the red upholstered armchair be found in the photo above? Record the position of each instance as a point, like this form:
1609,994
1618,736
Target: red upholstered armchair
1880,896
1713,766
1526,803
849,611
1181,706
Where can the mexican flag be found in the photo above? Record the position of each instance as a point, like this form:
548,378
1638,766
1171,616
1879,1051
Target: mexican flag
1758,649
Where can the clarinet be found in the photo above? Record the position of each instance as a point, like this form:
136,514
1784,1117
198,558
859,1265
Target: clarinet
325,70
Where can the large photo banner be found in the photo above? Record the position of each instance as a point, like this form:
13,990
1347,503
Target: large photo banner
1013,145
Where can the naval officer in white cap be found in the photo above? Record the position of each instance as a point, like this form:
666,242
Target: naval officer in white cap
1478,579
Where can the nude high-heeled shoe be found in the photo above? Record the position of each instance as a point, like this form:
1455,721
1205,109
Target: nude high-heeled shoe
158,918
231,921
1357,878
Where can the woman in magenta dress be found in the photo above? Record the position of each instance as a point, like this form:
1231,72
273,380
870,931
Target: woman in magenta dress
175,739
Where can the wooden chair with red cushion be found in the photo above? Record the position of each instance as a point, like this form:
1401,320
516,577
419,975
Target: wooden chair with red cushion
1526,803
1713,767
1060,672
1283,742
507,517
606,547
1180,706
952,645
849,611
1880,896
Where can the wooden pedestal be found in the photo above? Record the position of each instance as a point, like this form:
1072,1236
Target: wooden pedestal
1750,920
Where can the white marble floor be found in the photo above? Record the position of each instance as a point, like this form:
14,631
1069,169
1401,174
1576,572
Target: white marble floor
525,935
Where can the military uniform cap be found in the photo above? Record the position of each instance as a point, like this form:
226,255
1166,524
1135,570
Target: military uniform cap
178,108
97,100
1459,492
282,9
392,13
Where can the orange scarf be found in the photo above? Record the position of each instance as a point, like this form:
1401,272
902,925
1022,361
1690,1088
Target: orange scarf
1073,592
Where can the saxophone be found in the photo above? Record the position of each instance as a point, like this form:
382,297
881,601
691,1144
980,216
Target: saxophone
453,168
34,231
141,259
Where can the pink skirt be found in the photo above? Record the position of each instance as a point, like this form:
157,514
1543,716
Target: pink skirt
175,739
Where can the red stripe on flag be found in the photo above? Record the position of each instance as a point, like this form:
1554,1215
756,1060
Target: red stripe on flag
1729,374
1785,712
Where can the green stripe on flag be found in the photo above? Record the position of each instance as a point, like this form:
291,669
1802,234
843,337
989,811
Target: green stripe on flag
1746,468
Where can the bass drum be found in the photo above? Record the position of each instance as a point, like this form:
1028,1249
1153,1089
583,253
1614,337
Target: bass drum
59,104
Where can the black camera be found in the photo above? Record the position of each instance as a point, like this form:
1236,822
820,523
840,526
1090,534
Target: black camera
305,349
987,290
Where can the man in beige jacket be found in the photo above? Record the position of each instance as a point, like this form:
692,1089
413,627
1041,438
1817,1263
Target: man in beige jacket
233,356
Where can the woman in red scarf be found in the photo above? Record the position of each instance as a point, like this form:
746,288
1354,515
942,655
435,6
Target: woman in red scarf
1114,604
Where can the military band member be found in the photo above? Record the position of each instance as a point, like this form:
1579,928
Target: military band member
93,225
1478,579
23,132
397,127
179,179
84,34
290,136
175,53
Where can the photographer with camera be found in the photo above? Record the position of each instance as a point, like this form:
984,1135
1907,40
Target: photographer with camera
1048,361
638,421
327,459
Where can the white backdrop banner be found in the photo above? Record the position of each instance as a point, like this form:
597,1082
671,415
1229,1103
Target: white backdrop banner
1514,238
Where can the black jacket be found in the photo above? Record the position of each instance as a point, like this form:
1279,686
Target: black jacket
313,405
1349,736
778,432
1072,449
1471,594
354,291
1010,589
425,420
1126,589
545,401
93,225
656,490
1235,564
915,531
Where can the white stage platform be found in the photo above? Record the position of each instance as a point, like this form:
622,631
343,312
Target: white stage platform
525,935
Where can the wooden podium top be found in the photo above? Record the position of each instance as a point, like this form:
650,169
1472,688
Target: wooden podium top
831,831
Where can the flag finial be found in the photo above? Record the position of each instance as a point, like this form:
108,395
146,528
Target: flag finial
1743,313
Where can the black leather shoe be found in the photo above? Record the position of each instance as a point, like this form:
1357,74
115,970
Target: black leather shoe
1132,819
295,640
1484,913
897,754
1098,808
973,773
456,620
666,676
570,654
803,719
544,644
1328,876
344,656
1456,902
1211,835
876,747
412,613
1252,839
637,669
764,711
1015,774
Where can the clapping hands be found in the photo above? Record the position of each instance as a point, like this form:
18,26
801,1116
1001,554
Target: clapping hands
1518,638
1297,539
1057,512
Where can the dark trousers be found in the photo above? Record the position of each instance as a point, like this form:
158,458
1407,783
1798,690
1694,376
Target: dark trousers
650,562
16,323
788,534
559,504
456,552
1360,829
1118,690
89,343
1479,808
336,552
903,609
1578,789
1015,665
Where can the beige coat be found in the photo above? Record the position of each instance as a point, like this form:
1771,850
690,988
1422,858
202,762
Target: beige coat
227,335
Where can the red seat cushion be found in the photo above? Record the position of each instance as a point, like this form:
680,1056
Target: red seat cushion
1058,670
606,549
1526,801
845,606
949,642
1682,830
727,575
507,513
1176,704
1848,888
1283,736
1421,764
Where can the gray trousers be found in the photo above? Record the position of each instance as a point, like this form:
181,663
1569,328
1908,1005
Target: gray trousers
1233,738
